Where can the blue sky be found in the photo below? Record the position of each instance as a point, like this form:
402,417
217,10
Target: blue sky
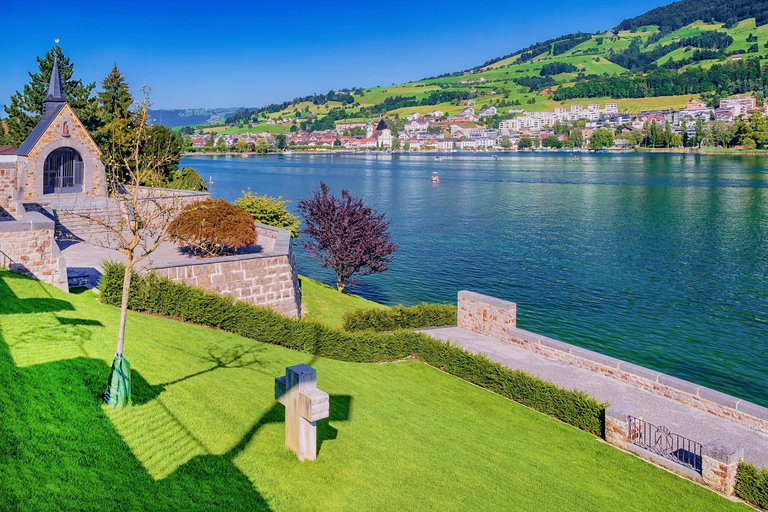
221,54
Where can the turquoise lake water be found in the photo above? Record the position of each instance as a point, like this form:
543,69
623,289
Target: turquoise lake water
661,260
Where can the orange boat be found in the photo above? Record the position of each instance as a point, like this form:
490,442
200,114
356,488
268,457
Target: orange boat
435,177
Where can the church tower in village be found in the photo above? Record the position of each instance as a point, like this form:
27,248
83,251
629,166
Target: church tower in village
59,156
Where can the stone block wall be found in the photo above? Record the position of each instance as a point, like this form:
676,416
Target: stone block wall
7,186
714,402
27,247
268,278
486,315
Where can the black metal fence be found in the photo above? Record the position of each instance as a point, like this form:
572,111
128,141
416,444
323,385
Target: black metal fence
659,440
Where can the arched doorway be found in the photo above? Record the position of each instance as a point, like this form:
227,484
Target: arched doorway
63,171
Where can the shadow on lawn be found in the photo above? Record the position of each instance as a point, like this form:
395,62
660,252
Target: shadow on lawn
12,304
53,427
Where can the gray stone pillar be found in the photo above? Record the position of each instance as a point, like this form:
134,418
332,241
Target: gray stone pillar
617,424
719,463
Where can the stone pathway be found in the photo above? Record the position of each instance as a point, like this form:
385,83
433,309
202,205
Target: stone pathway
682,419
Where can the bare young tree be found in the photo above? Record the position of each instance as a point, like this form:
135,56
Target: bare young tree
139,226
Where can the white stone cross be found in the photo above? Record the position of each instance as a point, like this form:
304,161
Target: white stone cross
304,405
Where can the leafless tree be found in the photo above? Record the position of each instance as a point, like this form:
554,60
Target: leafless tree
139,226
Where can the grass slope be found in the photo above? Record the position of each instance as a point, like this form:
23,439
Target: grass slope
326,305
205,433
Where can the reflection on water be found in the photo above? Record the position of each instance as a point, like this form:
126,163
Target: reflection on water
661,260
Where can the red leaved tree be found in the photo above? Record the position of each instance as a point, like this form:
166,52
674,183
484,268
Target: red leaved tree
345,235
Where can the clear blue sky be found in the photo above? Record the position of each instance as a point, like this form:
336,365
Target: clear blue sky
221,54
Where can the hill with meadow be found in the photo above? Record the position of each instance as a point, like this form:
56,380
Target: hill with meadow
660,59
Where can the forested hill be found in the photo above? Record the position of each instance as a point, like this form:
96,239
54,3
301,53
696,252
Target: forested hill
679,14
690,49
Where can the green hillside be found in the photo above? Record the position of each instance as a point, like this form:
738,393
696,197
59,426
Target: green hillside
655,43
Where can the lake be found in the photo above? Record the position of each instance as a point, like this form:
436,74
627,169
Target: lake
661,260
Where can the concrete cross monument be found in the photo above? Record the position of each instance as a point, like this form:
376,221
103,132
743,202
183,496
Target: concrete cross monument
304,406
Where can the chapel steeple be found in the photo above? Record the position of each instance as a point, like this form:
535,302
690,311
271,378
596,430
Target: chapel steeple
56,94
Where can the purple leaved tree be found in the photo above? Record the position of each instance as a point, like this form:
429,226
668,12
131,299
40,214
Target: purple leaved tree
345,235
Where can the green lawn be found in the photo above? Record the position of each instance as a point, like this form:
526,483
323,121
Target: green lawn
205,433
326,305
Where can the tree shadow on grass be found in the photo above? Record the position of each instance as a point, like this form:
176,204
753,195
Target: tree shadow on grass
13,304
59,451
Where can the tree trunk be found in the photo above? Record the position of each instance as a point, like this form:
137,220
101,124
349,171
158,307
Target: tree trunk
340,286
124,307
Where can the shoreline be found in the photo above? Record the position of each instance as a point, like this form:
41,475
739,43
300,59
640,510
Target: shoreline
670,151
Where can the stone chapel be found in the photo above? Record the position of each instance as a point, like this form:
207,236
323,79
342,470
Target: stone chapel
58,157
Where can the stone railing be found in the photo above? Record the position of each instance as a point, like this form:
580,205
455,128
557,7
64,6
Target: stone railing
265,277
486,315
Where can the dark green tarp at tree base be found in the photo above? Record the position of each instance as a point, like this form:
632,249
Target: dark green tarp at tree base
118,391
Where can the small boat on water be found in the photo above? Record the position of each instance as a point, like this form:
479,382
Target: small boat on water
438,158
435,177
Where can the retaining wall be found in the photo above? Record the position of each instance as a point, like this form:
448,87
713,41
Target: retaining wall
498,325
27,246
265,278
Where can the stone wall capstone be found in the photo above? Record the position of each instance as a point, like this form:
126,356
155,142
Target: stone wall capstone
27,246
267,278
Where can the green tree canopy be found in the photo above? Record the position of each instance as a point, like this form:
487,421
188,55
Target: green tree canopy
601,138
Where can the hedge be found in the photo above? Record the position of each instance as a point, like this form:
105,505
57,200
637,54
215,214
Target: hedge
752,484
159,295
400,317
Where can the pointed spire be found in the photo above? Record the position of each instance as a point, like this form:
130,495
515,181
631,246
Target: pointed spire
55,89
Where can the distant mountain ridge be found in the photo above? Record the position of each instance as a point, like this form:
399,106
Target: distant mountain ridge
183,117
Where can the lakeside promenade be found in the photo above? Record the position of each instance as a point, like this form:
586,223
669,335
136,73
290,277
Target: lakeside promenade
680,418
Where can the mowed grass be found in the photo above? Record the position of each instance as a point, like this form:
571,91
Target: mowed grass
205,432
326,305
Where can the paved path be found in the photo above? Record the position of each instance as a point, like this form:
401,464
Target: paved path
685,420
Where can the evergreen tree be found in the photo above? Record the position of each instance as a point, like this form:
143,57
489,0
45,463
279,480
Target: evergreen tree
26,107
667,134
684,132
114,134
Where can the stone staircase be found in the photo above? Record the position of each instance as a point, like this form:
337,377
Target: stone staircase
82,223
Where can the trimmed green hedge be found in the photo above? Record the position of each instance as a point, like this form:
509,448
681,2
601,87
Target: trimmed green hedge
157,295
400,317
752,484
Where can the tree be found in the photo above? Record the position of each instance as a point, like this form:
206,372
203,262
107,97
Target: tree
165,143
699,140
241,146
684,133
506,143
210,141
525,143
281,142
262,146
577,137
221,145
551,141
188,179
345,235
337,142
270,211
114,102
137,230
26,107
601,138
213,227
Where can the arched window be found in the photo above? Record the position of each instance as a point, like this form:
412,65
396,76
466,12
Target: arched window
63,171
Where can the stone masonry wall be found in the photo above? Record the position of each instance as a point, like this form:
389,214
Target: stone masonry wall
714,402
30,166
7,187
486,315
27,247
267,278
